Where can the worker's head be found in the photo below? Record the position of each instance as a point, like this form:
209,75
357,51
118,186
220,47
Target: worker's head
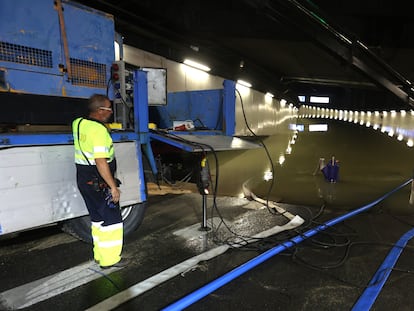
99,107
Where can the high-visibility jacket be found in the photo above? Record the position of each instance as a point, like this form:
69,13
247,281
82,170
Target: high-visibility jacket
93,141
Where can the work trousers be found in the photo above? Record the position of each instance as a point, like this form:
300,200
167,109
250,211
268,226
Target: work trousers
106,222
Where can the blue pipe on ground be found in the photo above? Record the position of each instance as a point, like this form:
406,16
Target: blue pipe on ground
368,297
229,276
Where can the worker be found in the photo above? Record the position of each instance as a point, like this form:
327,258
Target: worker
95,170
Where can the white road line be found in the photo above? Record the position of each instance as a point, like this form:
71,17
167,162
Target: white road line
50,286
141,287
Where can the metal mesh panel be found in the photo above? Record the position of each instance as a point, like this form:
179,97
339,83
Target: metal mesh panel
25,55
88,73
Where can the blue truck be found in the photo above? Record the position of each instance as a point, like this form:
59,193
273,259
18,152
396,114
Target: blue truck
53,56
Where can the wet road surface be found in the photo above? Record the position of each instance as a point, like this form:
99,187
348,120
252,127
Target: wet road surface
326,272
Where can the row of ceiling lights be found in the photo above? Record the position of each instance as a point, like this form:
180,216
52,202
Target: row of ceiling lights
385,120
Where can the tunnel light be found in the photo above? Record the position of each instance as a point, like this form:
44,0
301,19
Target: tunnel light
297,128
117,50
319,99
318,127
282,159
244,83
269,94
268,175
283,102
196,65
410,143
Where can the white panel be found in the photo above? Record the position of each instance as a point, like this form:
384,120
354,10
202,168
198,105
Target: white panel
128,172
37,187
38,184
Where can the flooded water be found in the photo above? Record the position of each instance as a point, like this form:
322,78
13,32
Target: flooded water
371,163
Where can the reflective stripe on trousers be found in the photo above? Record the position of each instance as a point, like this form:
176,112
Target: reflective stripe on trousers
107,243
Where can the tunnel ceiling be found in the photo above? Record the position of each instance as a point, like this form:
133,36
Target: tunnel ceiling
286,47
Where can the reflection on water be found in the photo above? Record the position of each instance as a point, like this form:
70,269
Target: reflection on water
371,164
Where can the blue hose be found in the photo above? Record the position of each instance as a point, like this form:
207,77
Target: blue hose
229,276
368,297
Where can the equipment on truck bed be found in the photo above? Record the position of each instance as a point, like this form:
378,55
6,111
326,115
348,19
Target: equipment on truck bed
53,56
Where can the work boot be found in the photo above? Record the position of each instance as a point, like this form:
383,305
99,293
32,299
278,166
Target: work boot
120,264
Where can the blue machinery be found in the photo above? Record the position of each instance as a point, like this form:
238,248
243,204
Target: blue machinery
55,54
46,52
366,300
